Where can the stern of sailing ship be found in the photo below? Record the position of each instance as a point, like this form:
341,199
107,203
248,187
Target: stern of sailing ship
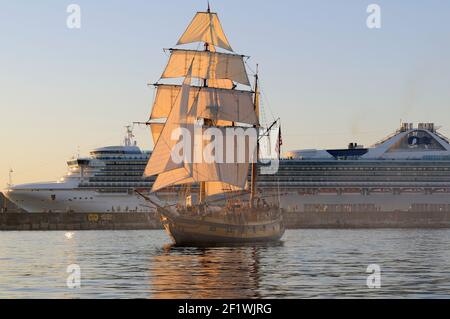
217,229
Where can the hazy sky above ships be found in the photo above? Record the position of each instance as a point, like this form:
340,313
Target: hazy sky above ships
330,78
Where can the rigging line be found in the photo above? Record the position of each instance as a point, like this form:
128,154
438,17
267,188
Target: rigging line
262,112
253,72
269,129
266,99
262,93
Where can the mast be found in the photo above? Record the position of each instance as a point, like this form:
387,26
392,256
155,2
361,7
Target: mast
202,190
255,161
10,182
128,141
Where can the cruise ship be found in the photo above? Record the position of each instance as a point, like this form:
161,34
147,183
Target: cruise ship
105,182
408,171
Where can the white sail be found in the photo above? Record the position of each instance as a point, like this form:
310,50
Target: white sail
221,123
214,104
218,188
166,98
207,65
221,178
174,177
161,159
156,129
206,27
197,170
227,105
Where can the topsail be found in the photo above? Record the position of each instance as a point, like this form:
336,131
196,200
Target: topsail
206,27
207,65
214,104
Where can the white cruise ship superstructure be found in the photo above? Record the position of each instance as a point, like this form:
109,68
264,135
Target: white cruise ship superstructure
408,171
105,182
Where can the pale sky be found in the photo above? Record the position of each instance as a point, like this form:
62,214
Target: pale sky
330,78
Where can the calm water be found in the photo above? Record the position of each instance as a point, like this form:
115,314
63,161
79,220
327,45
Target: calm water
310,264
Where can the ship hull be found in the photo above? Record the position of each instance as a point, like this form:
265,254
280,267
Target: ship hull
206,232
371,204
87,201
77,200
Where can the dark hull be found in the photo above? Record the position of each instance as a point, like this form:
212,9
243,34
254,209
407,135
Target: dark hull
195,232
183,239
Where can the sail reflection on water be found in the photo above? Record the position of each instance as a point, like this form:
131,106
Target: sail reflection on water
213,273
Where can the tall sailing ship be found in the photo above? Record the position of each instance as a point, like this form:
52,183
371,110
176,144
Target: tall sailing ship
208,101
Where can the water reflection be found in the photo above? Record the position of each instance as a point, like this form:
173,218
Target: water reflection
221,272
310,264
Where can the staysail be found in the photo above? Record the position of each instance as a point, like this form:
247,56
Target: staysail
156,129
161,159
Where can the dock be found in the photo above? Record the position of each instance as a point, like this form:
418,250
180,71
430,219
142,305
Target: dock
149,221
14,219
78,221
368,220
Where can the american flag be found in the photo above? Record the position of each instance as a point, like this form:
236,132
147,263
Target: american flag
279,144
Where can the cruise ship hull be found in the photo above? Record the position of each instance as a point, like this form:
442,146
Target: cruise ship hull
77,200
43,201
102,183
373,203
